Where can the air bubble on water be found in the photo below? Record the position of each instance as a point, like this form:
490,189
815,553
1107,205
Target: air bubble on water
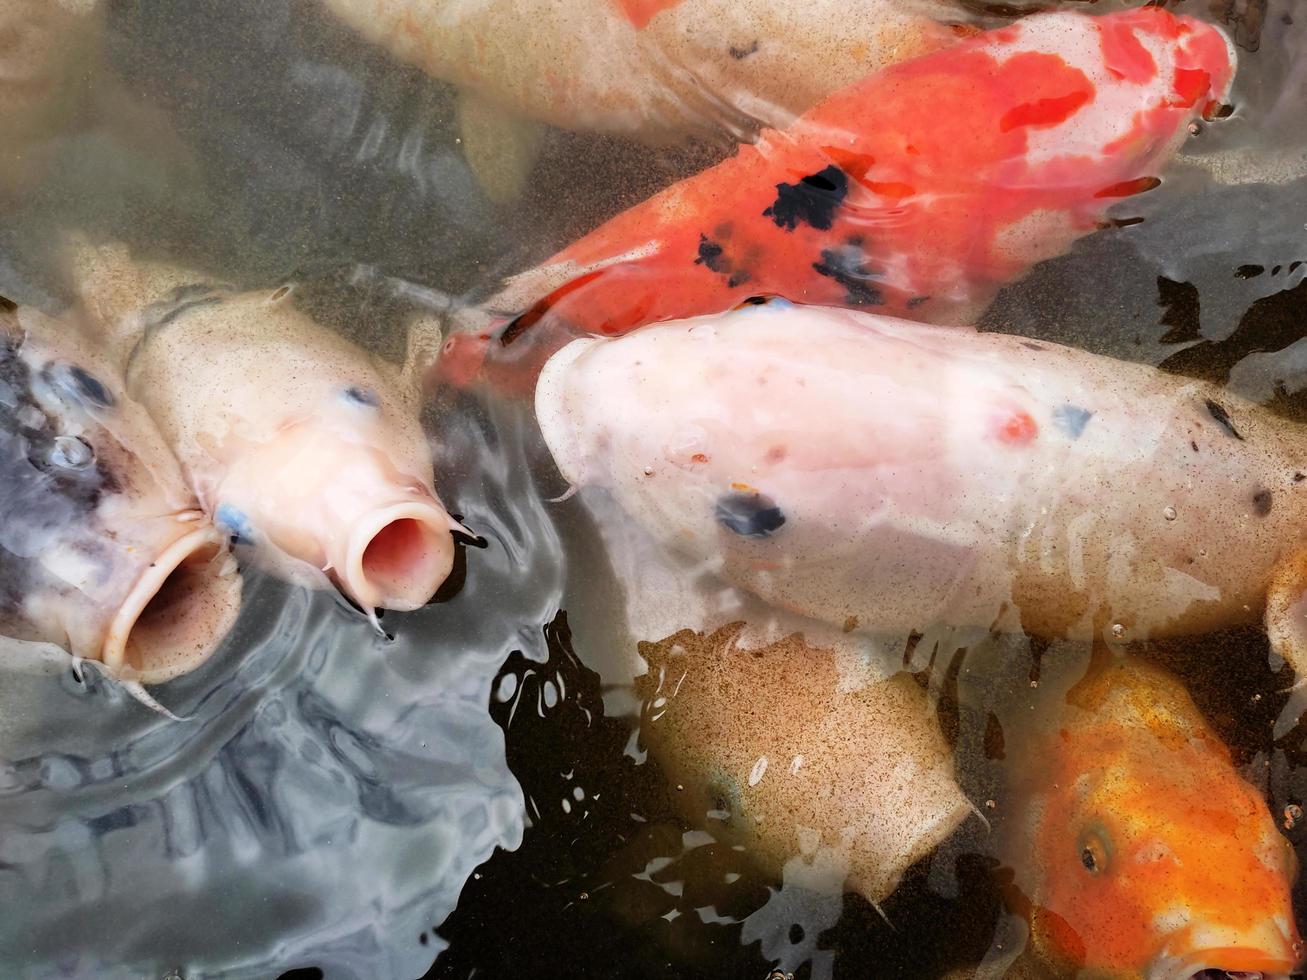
1169,513
759,770
648,471
1118,630
1292,814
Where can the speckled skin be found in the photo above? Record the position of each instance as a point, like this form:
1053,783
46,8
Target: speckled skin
653,70
95,516
788,755
1137,848
875,473
294,439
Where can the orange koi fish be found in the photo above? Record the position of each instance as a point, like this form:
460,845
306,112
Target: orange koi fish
1139,850
918,191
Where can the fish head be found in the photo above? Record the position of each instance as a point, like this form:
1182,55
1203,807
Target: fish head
1148,855
103,549
304,447
1071,115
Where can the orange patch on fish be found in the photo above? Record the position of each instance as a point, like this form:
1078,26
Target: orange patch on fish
640,12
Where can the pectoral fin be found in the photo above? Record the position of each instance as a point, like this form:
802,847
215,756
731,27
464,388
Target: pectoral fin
1286,628
500,148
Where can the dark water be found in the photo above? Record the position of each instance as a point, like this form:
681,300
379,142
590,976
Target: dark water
351,804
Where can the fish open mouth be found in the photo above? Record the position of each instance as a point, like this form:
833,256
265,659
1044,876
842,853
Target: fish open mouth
398,556
177,613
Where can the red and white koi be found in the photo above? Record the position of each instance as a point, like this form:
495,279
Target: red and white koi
918,191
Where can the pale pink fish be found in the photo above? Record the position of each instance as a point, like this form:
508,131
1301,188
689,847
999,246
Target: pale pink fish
859,469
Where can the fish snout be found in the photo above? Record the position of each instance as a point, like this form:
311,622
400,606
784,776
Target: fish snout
177,612
396,555
1269,951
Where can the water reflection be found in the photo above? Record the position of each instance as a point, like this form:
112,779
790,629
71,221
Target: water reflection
331,791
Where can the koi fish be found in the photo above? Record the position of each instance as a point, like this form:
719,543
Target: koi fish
656,70
103,548
1137,849
858,771
853,468
917,192
296,441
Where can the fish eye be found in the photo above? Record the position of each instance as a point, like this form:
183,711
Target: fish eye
1093,853
85,386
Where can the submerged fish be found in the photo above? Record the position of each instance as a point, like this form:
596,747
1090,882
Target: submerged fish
855,468
42,42
653,69
918,191
1136,847
103,548
295,440
782,750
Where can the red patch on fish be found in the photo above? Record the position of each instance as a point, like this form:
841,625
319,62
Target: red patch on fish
1124,54
640,12
1053,90
1191,84
1016,428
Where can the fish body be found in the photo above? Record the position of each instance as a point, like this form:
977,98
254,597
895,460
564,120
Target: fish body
860,469
917,192
656,70
778,748
103,548
1136,847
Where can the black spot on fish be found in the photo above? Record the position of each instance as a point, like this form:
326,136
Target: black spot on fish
362,396
755,301
1249,271
750,515
710,255
813,200
847,266
1193,445
82,384
1222,417
1072,419
1299,477
1262,502
915,301
739,54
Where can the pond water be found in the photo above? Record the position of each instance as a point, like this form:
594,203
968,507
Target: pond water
468,792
